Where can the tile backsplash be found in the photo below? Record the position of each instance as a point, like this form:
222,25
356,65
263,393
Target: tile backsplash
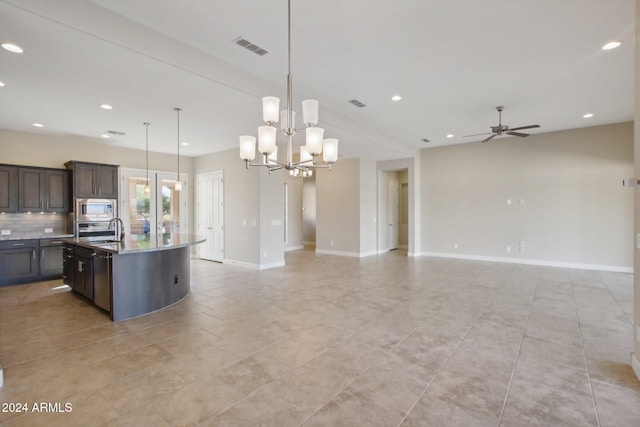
24,224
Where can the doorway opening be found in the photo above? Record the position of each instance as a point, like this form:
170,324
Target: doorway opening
394,210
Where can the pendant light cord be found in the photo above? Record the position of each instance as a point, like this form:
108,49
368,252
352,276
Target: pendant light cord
178,109
147,139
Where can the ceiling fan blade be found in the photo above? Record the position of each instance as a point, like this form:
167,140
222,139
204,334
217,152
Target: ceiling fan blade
478,134
526,127
517,134
491,137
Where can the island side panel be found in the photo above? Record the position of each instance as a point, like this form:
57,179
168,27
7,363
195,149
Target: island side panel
146,281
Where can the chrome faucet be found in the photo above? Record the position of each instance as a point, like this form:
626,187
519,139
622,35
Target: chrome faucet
119,221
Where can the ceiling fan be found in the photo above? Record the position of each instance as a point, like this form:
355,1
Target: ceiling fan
503,129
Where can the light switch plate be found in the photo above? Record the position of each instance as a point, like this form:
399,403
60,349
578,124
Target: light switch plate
48,230
6,232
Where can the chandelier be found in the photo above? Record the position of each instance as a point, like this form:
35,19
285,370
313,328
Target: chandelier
315,144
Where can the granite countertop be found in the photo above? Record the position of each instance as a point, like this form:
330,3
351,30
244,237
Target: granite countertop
140,243
35,236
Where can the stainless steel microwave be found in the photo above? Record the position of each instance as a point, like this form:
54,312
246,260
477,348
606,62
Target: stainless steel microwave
95,210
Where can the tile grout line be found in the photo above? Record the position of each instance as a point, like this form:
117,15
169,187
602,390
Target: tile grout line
448,358
352,381
515,364
584,354
617,303
275,379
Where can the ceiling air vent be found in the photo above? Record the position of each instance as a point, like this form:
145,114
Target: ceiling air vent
250,46
356,103
425,140
114,133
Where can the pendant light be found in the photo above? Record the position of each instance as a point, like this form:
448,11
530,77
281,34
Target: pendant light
178,186
147,187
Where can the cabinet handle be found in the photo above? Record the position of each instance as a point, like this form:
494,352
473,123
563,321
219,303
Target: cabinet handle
42,253
33,253
18,244
41,205
47,205
57,242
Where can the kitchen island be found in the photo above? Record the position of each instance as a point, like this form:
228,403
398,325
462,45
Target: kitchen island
130,278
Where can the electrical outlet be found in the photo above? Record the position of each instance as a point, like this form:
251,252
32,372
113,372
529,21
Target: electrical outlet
508,249
508,202
48,230
522,201
455,246
332,243
6,232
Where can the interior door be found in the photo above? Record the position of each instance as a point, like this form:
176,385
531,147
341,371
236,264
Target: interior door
393,215
211,215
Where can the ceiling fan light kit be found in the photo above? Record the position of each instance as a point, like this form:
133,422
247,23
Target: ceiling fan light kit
501,129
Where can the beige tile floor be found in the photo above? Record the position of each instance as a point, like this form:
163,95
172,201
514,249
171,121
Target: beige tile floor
332,341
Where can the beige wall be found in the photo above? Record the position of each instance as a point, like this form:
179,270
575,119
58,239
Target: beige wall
294,212
253,205
635,361
368,207
575,209
309,210
338,208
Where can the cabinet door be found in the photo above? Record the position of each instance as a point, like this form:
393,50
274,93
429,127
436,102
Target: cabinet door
8,189
68,268
83,277
107,182
31,190
85,180
57,191
51,260
19,262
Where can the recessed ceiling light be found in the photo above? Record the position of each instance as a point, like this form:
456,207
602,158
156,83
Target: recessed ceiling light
185,143
587,116
106,107
38,125
105,136
396,98
611,45
12,47
450,135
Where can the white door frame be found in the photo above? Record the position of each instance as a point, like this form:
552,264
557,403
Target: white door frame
213,232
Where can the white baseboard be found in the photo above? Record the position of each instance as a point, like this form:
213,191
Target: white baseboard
254,266
349,254
543,263
293,248
635,365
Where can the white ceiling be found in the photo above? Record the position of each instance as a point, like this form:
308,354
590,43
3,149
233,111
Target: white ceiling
452,61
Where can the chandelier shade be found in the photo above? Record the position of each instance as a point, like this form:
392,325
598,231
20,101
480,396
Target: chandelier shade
330,153
284,120
310,112
267,134
267,139
270,109
247,147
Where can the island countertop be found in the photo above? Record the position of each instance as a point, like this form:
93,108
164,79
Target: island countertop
137,243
